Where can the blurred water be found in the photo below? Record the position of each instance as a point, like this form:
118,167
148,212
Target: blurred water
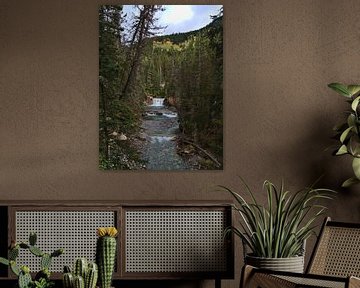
161,126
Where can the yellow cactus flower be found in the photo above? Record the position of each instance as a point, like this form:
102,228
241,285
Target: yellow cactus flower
106,231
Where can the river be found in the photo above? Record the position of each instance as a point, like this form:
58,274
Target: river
160,126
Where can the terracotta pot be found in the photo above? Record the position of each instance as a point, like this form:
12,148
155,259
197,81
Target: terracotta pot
291,264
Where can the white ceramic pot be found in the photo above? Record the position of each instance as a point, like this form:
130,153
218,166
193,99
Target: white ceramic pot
291,264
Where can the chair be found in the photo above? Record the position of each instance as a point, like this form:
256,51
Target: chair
335,262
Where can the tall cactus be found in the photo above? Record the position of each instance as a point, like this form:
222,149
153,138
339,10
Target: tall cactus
106,254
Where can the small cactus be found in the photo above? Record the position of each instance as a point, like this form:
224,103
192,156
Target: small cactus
84,274
44,273
14,268
32,238
23,273
36,251
45,261
91,276
57,252
106,254
24,280
79,282
4,261
13,253
68,280
80,268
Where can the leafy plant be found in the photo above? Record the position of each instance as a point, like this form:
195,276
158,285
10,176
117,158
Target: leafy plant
279,229
349,131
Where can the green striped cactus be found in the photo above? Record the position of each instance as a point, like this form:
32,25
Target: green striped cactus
91,276
106,254
68,280
80,267
84,274
79,282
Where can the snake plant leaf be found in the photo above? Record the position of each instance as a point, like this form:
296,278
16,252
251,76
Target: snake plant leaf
345,134
341,89
342,150
349,182
356,167
353,89
355,103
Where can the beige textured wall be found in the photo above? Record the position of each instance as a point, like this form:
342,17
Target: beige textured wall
279,57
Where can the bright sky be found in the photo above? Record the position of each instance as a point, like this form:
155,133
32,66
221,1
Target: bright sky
183,18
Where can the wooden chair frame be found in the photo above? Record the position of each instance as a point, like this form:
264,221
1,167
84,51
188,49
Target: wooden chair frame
319,272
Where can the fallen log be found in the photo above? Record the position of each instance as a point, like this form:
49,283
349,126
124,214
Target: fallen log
211,157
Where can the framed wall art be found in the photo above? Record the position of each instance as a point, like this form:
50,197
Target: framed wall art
160,86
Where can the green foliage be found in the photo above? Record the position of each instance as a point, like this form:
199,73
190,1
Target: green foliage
191,71
348,132
279,229
117,113
42,278
43,283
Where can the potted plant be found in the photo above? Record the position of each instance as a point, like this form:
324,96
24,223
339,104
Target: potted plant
275,233
348,132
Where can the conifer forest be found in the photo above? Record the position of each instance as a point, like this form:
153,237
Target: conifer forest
160,95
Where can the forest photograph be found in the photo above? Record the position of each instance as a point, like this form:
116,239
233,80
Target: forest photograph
161,87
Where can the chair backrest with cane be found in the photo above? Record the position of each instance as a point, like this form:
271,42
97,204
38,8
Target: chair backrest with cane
337,251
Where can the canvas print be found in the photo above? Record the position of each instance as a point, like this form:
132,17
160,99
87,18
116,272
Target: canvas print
161,87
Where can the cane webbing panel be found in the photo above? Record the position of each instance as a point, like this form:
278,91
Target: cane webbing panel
74,231
313,282
338,252
175,241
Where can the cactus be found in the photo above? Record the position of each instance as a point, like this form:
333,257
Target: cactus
79,282
57,253
44,273
14,268
105,254
32,238
13,253
45,261
68,280
67,269
36,251
91,276
87,272
80,268
24,278
4,261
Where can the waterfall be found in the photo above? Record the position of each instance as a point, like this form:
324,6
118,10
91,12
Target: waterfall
157,102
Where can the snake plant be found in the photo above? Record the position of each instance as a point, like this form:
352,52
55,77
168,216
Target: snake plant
279,228
348,132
